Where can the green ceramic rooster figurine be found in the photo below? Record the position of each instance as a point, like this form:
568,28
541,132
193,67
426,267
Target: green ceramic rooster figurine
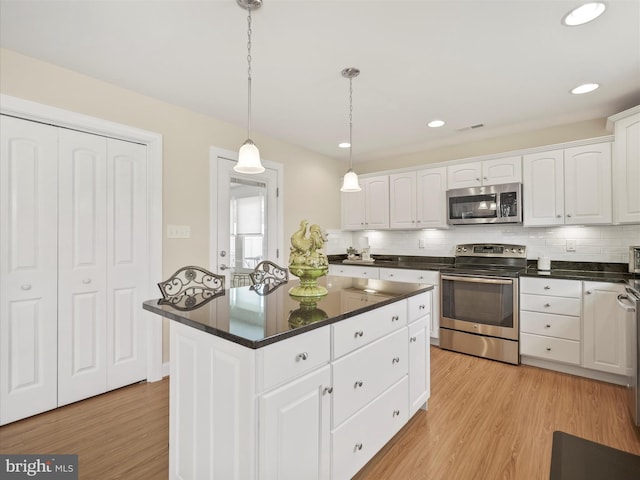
307,261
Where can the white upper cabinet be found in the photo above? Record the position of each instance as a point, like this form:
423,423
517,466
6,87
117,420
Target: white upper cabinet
626,166
417,199
487,172
369,208
568,187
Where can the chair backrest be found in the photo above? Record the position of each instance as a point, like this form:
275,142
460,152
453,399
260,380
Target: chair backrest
191,281
268,273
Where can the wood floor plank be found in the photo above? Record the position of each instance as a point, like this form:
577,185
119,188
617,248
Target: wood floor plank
486,421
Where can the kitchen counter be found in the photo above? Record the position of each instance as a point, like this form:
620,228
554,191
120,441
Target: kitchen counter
587,271
246,317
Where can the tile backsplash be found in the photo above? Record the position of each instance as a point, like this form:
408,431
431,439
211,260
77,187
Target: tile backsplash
591,243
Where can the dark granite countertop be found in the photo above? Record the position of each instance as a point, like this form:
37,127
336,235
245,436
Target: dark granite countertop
588,271
244,316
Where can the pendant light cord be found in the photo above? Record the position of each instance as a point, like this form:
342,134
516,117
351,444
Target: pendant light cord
249,70
350,123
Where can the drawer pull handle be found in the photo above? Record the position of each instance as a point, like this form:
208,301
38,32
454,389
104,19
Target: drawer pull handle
357,384
328,390
547,287
396,413
359,333
395,360
547,326
357,447
395,318
412,339
422,307
26,286
548,349
86,281
588,292
547,305
303,356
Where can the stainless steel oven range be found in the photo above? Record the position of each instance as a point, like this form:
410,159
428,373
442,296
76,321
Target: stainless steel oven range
479,301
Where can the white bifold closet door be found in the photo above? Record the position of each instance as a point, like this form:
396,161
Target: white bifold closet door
73,266
28,268
102,236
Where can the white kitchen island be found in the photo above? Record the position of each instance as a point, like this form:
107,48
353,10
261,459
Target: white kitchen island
263,387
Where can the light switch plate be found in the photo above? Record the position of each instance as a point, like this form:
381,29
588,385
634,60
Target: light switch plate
178,231
571,245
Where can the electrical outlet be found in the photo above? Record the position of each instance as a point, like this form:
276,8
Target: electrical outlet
421,243
571,245
178,231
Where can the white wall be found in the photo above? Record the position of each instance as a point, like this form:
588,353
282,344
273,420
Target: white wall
593,243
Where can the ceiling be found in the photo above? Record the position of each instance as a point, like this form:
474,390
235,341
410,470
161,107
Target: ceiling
506,64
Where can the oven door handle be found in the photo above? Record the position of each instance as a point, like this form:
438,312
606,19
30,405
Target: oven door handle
627,307
495,281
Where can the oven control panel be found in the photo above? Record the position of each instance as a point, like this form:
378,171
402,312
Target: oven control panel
496,250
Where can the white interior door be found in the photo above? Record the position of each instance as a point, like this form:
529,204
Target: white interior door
246,217
28,268
82,267
127,262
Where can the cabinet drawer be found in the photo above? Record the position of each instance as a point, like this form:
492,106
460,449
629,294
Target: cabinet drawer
551,286
419,306
293,357
356,441
410,276
549,348
364,374
353,271
362,329
545,304
550,325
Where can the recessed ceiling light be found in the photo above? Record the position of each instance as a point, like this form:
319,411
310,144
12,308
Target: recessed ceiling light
586,88
583,14
435,123
344,145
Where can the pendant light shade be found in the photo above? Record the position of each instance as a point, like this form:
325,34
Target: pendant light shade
350,181
249,155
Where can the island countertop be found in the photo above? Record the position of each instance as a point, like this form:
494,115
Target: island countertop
255,318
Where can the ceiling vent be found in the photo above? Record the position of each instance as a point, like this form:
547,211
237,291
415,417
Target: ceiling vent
472,127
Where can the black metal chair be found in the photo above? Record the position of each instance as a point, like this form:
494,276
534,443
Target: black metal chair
192,281
267,275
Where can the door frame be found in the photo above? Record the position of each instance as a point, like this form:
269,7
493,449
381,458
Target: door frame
28,110
214,153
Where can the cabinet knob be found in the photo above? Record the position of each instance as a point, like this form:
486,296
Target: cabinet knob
396,413
588,292
395,360
477,179
86,281
412,339
395,318
391,274
546,305
485,178
548,349
547,287
357,384
547,326
568,215
303,356
558,216
422,307
357,447
328,390
359,333
26,286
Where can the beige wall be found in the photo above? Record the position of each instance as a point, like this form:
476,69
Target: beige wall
187,136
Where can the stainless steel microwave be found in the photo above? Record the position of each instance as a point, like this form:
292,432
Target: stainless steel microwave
489,204
634,259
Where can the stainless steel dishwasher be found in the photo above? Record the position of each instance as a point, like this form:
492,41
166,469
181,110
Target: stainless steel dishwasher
630,302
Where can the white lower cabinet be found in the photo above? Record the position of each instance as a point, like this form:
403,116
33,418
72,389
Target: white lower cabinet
295,429
313,406
605,329
357,271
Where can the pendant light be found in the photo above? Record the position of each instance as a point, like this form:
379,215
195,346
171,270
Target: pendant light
249,155
350,181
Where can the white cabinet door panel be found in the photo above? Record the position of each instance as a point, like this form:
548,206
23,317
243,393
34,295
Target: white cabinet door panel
295,429
431,208
419,360
626,169
543,188
402,200
28,266
82,266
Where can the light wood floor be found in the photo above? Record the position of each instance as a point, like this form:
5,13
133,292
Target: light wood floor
486,421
